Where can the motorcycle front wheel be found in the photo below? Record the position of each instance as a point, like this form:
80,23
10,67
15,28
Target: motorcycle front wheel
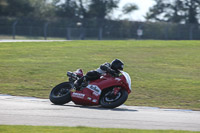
108,101
60,94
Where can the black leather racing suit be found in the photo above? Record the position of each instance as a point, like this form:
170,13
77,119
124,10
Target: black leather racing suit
94,74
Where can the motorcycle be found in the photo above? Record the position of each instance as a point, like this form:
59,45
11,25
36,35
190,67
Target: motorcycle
109,91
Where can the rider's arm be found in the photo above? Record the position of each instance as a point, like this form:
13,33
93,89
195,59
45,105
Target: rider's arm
105,67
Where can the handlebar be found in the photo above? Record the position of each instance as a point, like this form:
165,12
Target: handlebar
112,72
72,75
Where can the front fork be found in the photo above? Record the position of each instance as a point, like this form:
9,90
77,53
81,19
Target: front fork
115,90
113,93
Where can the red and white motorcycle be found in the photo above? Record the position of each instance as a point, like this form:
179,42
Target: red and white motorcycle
109,91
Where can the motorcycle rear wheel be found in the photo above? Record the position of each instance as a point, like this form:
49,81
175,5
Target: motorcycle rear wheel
113,102
60,94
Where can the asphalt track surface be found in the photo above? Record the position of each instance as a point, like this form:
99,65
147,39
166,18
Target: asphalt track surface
34,111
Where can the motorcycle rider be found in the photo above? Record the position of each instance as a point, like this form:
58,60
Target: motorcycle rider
113,68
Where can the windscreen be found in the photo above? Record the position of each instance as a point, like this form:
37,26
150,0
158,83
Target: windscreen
128,78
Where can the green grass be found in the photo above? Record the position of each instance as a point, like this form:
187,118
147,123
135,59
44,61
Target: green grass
164,73
48,129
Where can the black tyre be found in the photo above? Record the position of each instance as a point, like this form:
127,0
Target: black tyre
108,101
60,94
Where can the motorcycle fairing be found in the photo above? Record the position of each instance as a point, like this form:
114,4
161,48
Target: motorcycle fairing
90,97
93,91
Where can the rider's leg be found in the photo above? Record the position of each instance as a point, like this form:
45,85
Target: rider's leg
91,75
78,82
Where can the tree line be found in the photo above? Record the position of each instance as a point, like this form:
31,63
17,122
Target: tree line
177,11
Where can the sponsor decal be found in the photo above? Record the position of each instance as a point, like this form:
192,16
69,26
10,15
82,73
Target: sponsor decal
95,93
94,88
118,79
94,100
78,95
89,98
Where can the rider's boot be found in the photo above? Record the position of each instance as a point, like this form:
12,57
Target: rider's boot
78,83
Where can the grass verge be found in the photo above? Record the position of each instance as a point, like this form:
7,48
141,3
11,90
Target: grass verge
53,129
164,73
